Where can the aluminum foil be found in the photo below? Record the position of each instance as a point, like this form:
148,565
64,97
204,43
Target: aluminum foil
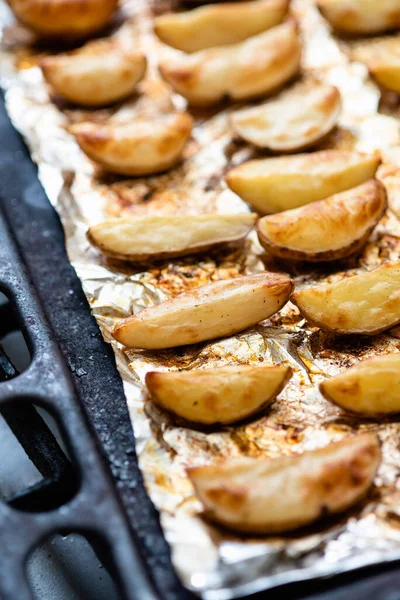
213,563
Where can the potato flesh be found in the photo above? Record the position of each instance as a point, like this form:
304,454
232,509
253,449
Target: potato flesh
155,237
281,494
221,395
54,18
272,185
219,24
142,147
240,71
367,304
209,312
100,73
297,119
361,16
327,229
370,388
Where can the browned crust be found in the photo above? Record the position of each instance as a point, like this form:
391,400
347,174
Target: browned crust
293,255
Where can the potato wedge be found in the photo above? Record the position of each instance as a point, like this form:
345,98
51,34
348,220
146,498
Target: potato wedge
222,395
361,16
271,185
63,18
219,24
384,66
366,304
158,237
370,388
274,495
296,120
142,147
245,70
100,73
209,312
327,229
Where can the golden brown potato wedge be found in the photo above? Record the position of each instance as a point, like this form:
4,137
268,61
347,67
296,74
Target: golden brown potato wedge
327,229
296,120
271,185
384,66
211,311
366,304
142,147
361,16
158,237
370,388
64,18
219,24
245,70
222,395
98,74
274,495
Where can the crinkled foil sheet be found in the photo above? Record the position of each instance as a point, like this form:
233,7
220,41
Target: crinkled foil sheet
212,562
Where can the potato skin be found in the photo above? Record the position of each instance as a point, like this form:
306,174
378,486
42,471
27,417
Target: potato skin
246,70
273,185
64,18
378,288
276,495
205,313
221,395
219,24
296,120
142,147
370,388
172,228
360,17
99,74
357,211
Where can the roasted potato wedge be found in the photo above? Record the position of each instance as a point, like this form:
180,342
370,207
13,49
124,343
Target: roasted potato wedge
327,229
361,17
384,66
219,24
371,388
222,395
296,120
211,311
142,147
274,495
158,237
271,185
63,18
366,304
245,70
100,73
